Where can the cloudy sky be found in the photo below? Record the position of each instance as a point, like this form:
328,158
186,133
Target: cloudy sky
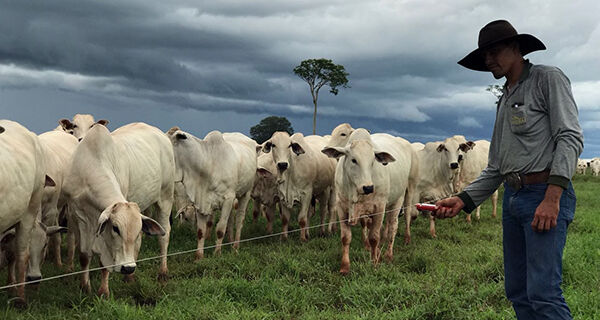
226,64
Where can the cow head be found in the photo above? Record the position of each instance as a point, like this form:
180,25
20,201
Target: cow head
463,148
449,153
118,237
360,159
340,135
38,243
283,148
81,124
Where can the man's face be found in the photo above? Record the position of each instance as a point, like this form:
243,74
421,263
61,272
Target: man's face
499,58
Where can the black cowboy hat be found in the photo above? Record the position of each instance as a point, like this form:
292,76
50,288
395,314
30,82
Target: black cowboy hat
494,32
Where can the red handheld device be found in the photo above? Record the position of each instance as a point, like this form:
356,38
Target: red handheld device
426,207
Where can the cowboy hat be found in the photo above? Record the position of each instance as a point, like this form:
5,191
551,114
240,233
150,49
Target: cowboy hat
494,32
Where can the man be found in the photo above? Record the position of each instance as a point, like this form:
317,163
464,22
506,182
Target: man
534,150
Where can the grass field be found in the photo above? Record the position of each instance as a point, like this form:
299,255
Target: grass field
459,275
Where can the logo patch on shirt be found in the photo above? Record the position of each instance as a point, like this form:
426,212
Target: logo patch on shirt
517,120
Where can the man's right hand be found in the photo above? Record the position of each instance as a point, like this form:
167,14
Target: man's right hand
449,207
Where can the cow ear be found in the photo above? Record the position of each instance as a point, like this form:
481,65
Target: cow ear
258,148
65,124
334,152
262,172
441,148
384,158
471,144
7,236
267,147
151,227
103,220
297,148
1,129
55,229
103,122
49,182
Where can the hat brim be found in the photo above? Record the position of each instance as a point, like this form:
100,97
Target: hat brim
527,44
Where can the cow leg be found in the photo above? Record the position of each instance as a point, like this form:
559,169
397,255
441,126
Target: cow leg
324,208
239,219
365,233
285,220
209,225
346,235
408,218
12,279
392,222
494,203
22,236
375,234
72,236
103,291
468,218
478,213
222,224
84,260
165,207
332,206
201,226
269,214
231,226
303,218
51,219
255,210
432,225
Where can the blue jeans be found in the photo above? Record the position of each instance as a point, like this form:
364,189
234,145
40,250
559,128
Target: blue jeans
533,260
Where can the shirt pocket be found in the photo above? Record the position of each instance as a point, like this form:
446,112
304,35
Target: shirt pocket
518,116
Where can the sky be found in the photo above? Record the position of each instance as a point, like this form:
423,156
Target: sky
226,64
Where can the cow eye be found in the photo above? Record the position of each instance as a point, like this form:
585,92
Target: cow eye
343,134
74,126
116,230
273,145
354,161
460,157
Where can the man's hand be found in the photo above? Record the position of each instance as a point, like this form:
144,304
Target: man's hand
448,208
546,213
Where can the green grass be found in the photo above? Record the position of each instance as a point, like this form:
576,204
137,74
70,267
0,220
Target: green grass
459,275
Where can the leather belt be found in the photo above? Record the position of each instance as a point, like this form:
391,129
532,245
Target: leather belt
517,180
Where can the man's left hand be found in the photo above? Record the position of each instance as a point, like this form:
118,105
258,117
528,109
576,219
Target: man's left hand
546,214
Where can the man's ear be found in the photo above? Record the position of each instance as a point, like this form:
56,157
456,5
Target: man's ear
151,227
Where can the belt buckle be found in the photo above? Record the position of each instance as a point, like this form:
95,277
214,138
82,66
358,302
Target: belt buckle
513,179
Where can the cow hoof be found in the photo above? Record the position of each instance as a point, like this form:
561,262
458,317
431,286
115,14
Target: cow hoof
18,303
217,252
104,293
86,288
284,237
163,277
129,278
199,256
344,271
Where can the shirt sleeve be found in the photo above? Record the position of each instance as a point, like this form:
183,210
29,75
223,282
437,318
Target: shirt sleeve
564,124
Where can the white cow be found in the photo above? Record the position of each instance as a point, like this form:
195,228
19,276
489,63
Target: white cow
80,125
22,181
595,166
58,148
417,146
340,137
264,193
373,179
216,171
473,158
303,173
113,178
438,170
581,166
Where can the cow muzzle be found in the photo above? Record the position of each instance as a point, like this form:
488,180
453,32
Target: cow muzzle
282,166
127,269
454,165
367,189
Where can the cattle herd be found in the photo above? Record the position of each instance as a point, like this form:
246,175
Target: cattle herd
109,187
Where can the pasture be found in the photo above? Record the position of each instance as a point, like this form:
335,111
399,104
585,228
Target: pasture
459,275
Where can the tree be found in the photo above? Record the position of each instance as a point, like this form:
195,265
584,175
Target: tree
267,126
318,73
496,90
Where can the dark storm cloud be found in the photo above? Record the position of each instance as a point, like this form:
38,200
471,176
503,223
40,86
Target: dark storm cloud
236,57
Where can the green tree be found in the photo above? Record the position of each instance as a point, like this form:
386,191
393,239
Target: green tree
496,90
318,73
267,126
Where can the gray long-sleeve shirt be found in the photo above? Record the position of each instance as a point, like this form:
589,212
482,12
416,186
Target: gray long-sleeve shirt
536,128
